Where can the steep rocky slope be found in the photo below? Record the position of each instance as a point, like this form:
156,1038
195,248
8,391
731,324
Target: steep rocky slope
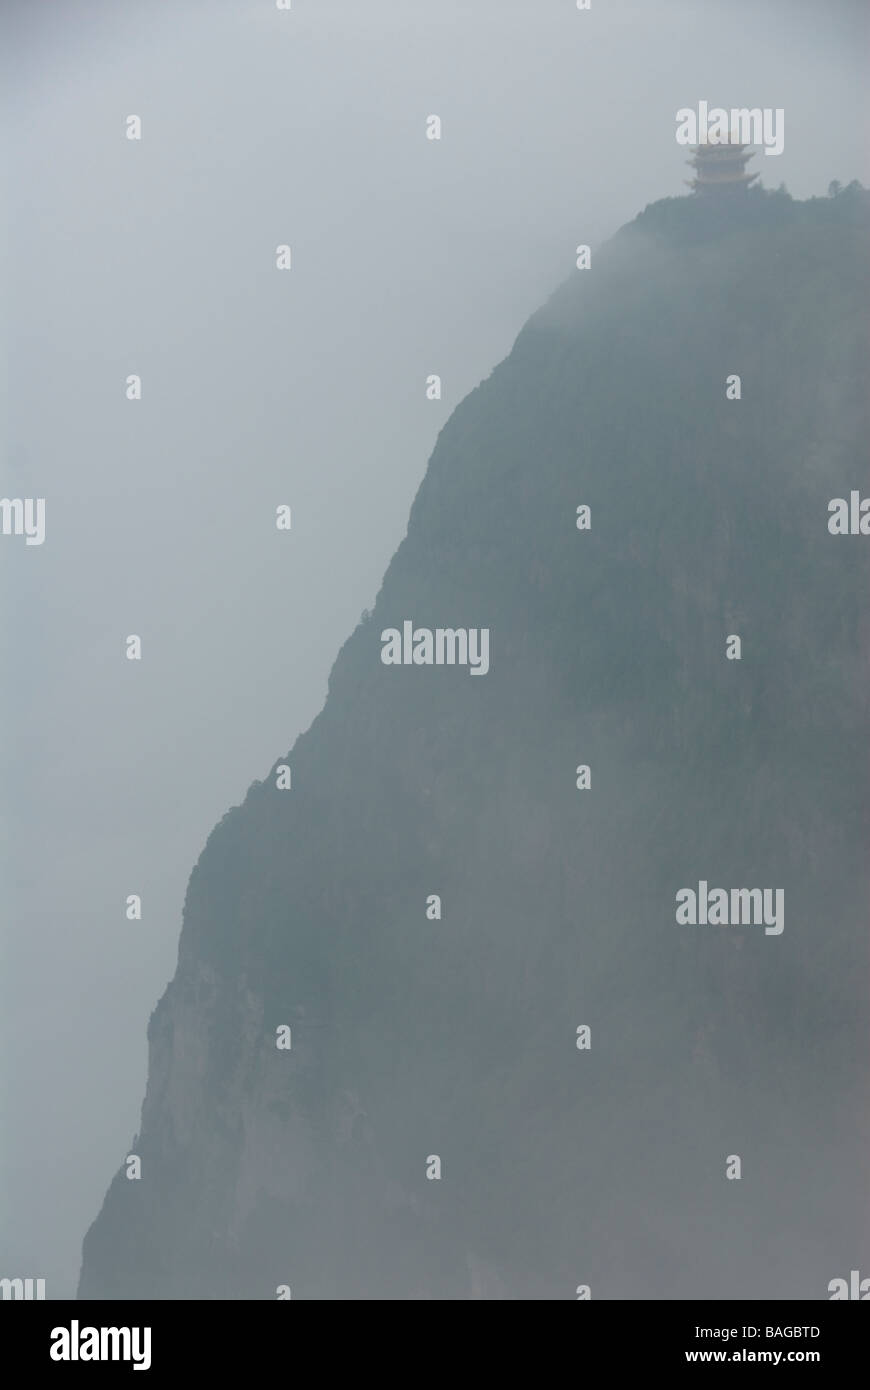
456,1037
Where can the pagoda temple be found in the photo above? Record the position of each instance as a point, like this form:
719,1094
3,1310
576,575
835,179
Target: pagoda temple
720,168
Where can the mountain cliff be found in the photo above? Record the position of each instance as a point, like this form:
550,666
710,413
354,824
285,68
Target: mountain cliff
416,1036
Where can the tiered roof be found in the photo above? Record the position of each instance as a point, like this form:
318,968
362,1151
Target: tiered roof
719,166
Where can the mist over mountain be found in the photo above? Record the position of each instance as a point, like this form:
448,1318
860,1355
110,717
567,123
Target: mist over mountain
456,1036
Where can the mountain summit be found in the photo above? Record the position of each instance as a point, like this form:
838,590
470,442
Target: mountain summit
438,1028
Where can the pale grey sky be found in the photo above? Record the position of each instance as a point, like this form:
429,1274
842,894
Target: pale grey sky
409,257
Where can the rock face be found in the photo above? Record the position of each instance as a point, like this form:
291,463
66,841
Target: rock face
458,1037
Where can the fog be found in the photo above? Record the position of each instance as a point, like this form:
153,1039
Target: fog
259,388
